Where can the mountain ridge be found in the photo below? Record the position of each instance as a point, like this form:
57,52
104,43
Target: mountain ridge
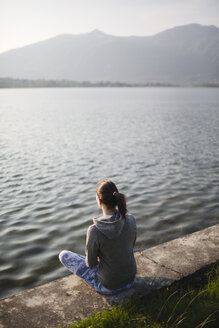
186,53
97,31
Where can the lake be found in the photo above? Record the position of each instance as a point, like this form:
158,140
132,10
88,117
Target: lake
159,145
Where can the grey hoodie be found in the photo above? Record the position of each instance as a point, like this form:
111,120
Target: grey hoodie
109,244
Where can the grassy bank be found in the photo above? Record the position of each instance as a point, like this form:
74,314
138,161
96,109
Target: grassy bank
192,303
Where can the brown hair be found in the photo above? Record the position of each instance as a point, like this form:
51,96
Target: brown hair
108,193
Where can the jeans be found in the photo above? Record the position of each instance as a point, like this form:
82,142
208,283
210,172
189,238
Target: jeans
76,264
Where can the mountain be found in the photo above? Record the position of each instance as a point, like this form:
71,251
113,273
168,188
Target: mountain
184,54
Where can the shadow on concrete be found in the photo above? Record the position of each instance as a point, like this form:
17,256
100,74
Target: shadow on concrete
142,287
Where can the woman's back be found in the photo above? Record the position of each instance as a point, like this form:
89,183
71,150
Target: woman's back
111,239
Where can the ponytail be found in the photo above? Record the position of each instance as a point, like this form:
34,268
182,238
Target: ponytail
121,203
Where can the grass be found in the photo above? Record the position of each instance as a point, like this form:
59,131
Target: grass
190,303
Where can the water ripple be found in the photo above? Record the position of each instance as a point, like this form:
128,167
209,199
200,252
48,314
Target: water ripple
161,153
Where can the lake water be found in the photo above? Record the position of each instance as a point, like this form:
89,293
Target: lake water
159,145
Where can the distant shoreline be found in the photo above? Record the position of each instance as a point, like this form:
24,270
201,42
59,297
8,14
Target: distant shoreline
42,83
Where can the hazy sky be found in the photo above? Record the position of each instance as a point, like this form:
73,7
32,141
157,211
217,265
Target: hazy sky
27,21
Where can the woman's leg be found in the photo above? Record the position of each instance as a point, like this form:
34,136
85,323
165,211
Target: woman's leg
72,261
76,264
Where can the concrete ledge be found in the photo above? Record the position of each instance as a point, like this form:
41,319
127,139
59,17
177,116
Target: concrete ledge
69,299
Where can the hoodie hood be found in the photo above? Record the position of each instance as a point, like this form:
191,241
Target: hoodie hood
111,227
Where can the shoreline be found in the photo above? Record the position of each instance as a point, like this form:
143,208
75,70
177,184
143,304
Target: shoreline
13,83
59,302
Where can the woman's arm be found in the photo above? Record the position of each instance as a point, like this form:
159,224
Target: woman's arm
92,248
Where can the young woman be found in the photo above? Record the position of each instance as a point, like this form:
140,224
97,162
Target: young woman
109,266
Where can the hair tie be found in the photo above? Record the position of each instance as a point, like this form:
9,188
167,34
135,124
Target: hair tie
115,193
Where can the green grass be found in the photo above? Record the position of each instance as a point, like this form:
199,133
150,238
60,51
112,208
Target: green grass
187,304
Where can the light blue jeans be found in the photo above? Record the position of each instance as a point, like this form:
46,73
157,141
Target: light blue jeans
76,264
